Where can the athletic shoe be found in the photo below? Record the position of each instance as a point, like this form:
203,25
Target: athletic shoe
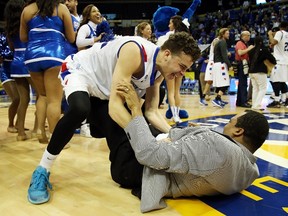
183,114
274,104
85,130
224,102
168,113
218,103
177,119
37,192
203,102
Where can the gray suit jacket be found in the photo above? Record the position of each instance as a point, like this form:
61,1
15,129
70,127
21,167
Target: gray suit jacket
196,161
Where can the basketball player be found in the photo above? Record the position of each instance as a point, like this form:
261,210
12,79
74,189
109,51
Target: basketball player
96,72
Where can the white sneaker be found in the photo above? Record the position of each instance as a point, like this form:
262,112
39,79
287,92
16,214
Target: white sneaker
85,130
177,119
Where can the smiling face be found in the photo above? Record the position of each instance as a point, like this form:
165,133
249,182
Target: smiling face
171,25
95,15
175,65
146,32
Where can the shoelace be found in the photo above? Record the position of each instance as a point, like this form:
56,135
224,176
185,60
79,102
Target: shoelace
40,180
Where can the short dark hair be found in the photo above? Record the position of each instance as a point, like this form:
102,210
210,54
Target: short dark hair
283,25
182,41
256,128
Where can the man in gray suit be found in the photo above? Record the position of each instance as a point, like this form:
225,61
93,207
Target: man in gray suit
192,161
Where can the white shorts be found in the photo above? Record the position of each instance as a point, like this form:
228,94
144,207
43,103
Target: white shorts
220,75
73,79
279,73
209,71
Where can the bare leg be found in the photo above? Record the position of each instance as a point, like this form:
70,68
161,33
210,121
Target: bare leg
38,80
11,90
23,90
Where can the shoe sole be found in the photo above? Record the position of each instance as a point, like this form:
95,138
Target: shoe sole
217,105
38,202
203,104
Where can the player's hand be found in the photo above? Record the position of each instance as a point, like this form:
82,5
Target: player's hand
127,91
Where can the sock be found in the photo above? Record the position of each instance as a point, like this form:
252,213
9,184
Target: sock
283,97
277,98
47,160
218,97
173,110
177,111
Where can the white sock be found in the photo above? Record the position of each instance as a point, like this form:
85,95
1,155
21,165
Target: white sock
174,111
47,160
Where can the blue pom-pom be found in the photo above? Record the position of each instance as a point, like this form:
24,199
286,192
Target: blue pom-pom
105,27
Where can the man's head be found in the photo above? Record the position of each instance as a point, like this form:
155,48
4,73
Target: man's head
224,33
178,52
250,128
245,36
283,26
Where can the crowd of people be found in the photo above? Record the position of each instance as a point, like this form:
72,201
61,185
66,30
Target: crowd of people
67,62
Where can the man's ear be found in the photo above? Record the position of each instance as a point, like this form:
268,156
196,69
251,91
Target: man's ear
167,53
238,131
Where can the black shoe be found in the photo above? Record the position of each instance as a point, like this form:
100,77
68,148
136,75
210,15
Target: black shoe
274,104
246,105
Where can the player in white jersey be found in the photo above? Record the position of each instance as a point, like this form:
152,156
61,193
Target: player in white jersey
97,72
279,74
209,69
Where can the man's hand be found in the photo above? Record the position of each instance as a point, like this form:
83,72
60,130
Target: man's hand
127,91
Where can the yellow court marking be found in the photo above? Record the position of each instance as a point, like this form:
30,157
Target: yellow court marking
280,150
188,207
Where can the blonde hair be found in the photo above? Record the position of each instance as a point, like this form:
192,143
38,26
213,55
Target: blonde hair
140,27
222,32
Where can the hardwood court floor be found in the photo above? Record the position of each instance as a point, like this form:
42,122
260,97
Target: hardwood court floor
81,177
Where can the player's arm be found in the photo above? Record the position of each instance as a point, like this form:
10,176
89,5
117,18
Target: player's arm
151,107
272,39
128,63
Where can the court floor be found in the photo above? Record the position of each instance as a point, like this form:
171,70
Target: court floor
81,177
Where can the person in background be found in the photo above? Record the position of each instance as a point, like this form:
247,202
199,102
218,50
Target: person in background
86,35
19,71
258,71
144,30
45,25
71,48
279,74
176,24
209,69
9,84
221,67
242,58
202,65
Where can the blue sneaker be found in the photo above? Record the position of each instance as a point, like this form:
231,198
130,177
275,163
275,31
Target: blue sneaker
37,192
169,113
224,102
203,102
183,114
218,103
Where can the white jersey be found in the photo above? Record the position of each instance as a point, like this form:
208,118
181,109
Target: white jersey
281,48
96,66
211,51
